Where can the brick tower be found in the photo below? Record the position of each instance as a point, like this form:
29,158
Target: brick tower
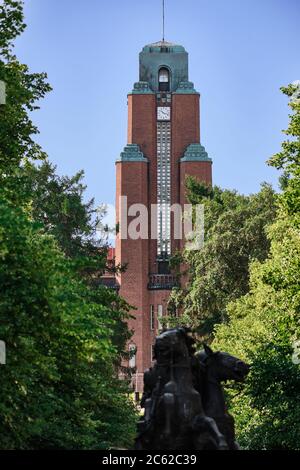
163,148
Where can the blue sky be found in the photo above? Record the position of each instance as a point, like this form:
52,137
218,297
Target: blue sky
240,53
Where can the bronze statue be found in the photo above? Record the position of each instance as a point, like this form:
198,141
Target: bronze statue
183,399
216,368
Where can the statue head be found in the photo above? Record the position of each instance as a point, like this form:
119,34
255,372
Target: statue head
173,345
223,366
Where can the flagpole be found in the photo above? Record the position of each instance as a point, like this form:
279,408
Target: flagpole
163,6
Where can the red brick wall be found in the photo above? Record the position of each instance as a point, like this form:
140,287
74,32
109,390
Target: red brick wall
185,131
132,181
142,131
142,122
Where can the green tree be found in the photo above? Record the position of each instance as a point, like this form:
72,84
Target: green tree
264,325
234,235
24,90
58,203
64,336
59,387
289,158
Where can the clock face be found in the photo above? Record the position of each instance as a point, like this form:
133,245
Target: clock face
163,113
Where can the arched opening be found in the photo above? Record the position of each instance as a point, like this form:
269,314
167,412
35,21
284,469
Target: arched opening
164,79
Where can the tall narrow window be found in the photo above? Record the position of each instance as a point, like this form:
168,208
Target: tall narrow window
159,315
132,359
164,79
152,317
163,188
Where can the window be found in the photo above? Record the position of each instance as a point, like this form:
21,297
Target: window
163,75
163,79
132,359
163,187
159,315
152,317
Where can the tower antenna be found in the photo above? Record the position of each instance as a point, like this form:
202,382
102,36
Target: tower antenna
163,19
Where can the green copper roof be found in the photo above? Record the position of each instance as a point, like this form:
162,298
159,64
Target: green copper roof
195,153
132,153
163,46
163,54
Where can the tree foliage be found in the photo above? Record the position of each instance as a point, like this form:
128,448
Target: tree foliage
234,235
264,325
58,204
65,335
24,90
59,386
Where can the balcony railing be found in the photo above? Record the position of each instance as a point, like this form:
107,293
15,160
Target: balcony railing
162,281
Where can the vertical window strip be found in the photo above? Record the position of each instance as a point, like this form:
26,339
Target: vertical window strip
163,187
152,317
